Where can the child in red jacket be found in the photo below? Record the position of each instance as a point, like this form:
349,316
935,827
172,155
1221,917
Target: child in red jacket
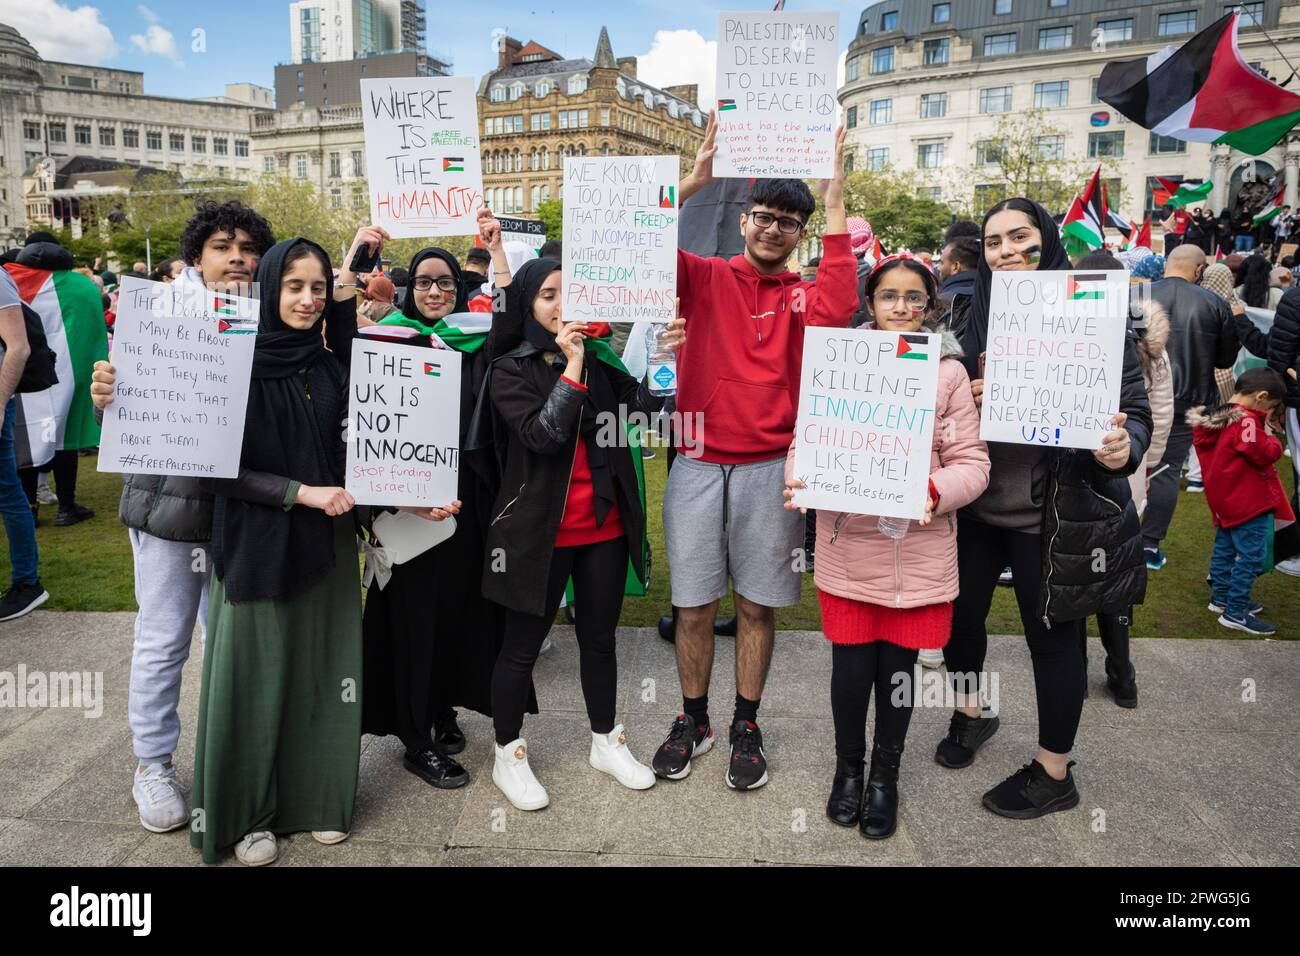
1243,491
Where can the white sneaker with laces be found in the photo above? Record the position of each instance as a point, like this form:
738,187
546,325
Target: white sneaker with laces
160,798
44,494
257,849
1290,566
328,837
514,778
609,754
931,658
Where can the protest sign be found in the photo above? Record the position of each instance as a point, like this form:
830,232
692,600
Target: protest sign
866,420
776,90
528,231
422,155
620,238
1055,357
183,364
403,429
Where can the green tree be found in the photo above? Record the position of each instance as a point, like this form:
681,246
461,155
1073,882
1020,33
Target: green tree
551,213
887,199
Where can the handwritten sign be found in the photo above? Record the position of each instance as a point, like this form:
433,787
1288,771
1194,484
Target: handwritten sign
403,424
866,420
620,238
776,94
422,151
181,388
528,231
1055,357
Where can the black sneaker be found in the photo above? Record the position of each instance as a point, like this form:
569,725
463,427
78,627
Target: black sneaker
448,736
73,515
685,742
22,599
436,768
965,736
748,767
1030,793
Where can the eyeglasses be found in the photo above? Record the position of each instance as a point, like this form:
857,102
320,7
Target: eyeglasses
916,301
445,284
788,225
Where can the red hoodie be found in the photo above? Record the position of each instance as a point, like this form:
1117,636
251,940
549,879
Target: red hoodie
741,363
1237,455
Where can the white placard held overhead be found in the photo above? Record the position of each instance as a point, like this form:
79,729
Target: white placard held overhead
530,232
866,420
422,155
403,432
1055,356
620,238
776,94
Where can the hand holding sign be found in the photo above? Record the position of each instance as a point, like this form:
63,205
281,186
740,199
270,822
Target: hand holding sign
791,486
702,172
433,514
1114,450
489,230
333,501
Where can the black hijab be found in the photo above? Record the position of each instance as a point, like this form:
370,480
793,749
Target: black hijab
462,290
1051,256
293,428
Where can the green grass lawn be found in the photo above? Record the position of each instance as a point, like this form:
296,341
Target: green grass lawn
87,567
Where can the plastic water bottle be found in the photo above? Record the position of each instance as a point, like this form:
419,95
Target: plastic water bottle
661,366
893,527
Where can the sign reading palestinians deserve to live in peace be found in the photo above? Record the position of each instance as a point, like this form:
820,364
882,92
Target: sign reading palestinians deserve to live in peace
422,155
620,238
866,420
776,96
1055,357
183,357
403,433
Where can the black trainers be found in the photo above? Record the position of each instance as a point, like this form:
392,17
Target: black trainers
22,599
1123,689
1030,793
965,736
436,768
73,515
685,741
748,767
447,735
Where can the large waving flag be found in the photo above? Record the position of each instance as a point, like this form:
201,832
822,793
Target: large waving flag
1184,192
1084,222
1140,237
1203,92
1273,207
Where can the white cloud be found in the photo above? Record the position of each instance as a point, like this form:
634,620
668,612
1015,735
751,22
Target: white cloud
60,32
678,57
149,15
159,41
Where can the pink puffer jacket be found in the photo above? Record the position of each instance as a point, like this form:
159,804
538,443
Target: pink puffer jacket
854,560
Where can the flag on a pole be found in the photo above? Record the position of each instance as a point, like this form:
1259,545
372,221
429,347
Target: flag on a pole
1140,237
1184,192
1087,213
1219,256
1203,92
1273,208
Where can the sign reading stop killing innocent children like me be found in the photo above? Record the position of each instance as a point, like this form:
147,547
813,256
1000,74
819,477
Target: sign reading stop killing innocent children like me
866,420
403,430
776,95
422,155
620,238
181,389
1054,358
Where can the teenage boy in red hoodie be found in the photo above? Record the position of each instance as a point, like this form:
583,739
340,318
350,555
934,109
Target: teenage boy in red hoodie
1243,491
724,514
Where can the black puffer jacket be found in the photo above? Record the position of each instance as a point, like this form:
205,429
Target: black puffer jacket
1284,342
166,506
1203,335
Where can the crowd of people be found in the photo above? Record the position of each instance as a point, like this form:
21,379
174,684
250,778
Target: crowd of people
297,667
1225,234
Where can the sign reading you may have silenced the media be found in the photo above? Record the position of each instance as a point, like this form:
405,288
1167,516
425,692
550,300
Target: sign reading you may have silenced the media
1055,356
422,155
776,87
866,421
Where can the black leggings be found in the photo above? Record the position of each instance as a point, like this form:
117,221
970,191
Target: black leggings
855,670
1059,679
64,467
599,574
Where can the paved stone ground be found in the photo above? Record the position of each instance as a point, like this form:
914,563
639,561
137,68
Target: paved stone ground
1194,776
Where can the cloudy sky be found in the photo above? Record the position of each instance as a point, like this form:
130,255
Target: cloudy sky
192,49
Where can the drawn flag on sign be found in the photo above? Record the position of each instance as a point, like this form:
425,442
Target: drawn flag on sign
726,105
453,164
667,197
223,305
1090,286
433,368
907,346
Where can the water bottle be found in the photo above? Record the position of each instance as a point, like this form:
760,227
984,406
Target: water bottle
661,366
893,528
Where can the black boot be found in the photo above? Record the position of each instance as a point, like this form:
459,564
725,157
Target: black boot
1121,679
880,804
668,627
845,804
447,733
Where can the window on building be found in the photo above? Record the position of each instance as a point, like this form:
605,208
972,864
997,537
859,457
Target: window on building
58,132
176,142
851,66
882,59
498,94
929,155
516,90
988,195
519,122
995,99
882,111
1050,147
1172,24
268,164
1055,38
32,130
889,21
336,198
358,164
941,13
542,89
300,165
848,162
1101,145
1001,7
988,152
582,119
336,165
153,139
877,158
932,193
851,117
604,116
107,136
577,84
935,52
546,158
241,148
199,144
1166,145
934,105
1252,14
1057,3
1115,31
1056,93
999,44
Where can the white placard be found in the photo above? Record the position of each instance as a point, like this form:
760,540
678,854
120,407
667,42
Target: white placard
530,232
403,432
776,94
866,420
620,238
183,360
422,155
1055,357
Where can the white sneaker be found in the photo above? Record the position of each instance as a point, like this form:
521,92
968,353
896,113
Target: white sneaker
1290,566
160,798
547,646
257,849
609,754
328,837
930,658
514,778
44,495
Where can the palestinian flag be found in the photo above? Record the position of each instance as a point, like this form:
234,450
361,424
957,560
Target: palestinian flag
462,331
72,313
1184,192
1085,219
910,345
1273,208
1219,256
1089,285
1140,237
433,369
453,164
1202,92
724,105
224,305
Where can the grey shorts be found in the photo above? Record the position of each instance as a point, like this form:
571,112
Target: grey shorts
722,520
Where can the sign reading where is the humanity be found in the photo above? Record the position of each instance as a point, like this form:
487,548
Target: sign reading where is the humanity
422,155
866,420
403,424
1054,358
620,238
776,95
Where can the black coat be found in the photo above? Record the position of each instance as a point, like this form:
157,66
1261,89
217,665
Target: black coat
1203,335
1284,342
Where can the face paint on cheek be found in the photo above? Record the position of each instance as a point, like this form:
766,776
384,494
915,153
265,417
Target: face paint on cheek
317,304
1034,255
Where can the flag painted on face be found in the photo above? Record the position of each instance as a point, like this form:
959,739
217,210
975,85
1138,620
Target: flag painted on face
1091,285
909,347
